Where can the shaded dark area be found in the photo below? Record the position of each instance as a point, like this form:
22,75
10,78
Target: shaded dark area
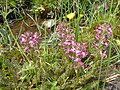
1,19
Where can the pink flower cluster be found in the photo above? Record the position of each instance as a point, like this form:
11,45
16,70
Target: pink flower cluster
74,50
102,38
29,39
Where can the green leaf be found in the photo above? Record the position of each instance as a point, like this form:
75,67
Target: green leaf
54,83
90,85
12,3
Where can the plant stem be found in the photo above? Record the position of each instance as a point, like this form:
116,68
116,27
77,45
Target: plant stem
21,51
108,63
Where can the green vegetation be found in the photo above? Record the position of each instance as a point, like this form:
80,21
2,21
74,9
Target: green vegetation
59,44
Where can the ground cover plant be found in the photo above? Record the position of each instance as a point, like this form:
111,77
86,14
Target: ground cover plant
60,45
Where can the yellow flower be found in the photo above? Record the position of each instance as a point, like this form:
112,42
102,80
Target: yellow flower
81,15
118,42
36,10
70,16
41,8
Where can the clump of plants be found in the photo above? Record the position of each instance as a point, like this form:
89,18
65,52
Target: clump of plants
74,50
29,40
71,58
101,39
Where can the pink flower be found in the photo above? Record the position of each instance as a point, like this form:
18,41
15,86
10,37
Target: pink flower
23,40
102,38
99,31
58,36
67,42
26,49
73,36
23,36
82,64
103,42
110,33
71,57
84,54
95,44
78,52
103,54
28,39
58,30
100,28
107,36
110,30
106,43
77,60
67,52
74,43
72,50
63,35
59,44
31,43
75,67
67,29
84,44
97,37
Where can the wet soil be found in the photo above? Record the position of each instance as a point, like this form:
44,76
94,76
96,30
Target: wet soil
20,26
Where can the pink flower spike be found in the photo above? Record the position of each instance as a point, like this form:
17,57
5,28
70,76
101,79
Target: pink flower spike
23,35
58,30
78,52
67,29
84,54
100,28
58,36
105,54
23,40
67,43
103,42
107,36
110,33
71,57
72,50
75,67
110,29
26,49
34,40
31,43
74,43
82,64
35,35
67,52
95,44
73,36
84,44
63,35
106,43
59,44
77,60
98,31
97,37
